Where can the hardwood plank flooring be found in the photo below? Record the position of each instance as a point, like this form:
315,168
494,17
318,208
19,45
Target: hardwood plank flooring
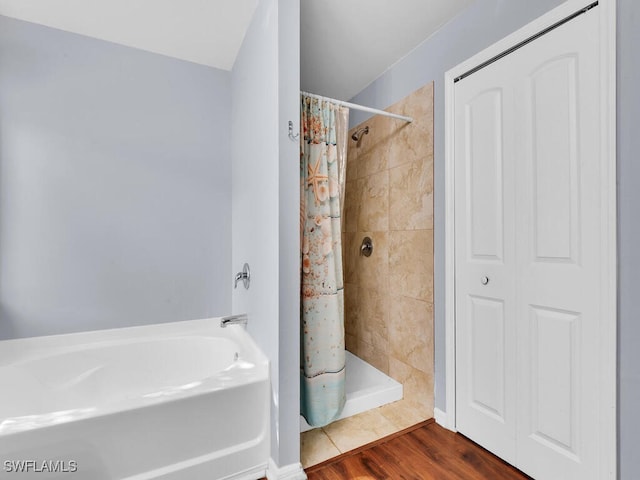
424,452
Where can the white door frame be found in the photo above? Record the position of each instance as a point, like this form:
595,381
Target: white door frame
608,334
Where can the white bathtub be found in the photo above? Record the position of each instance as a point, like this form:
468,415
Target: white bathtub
185,400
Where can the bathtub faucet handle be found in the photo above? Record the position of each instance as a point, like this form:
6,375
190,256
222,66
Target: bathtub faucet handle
244,275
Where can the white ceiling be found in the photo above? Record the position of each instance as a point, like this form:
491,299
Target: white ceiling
345,44
208,32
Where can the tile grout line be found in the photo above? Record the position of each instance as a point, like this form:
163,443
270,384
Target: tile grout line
331,440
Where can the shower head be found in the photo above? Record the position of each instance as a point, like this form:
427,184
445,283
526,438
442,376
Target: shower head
358,133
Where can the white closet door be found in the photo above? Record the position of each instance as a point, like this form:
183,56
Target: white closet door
528,192
558,229
485,260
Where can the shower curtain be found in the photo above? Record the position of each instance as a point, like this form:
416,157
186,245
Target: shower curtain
322,176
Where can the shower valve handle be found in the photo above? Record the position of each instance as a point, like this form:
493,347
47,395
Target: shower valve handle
244,275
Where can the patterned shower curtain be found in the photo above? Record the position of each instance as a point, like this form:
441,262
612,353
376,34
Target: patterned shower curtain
322,170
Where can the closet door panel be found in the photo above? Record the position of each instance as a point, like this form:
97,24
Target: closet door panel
559,255
485,262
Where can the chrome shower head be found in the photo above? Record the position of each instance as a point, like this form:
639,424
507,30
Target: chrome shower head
358,133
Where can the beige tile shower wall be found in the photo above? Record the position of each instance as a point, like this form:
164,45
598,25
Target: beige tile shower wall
389,295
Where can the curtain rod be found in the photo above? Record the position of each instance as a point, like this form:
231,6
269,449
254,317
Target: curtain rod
359,107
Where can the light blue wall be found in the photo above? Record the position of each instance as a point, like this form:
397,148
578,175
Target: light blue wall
485,22
254,153
115,200
266,199
629,238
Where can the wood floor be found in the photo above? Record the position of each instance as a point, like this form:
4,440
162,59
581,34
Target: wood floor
424,452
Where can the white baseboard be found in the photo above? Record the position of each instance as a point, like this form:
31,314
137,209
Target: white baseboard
250,474
443,420
288,472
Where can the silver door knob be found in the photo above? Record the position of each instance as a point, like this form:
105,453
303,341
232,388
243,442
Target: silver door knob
484,280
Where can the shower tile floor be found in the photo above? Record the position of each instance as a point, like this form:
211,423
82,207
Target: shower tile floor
321,444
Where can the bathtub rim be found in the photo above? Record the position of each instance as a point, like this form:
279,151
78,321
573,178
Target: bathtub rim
183,328
79,341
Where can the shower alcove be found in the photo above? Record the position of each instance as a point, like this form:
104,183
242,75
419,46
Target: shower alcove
388,296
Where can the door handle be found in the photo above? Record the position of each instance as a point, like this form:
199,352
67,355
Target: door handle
484,280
